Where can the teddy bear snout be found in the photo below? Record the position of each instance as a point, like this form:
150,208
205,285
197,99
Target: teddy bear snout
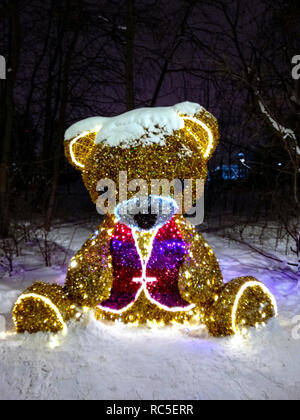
146,221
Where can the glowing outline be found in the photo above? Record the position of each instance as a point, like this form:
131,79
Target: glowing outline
159,305
47,302
74,160
239,296
207,129
169,200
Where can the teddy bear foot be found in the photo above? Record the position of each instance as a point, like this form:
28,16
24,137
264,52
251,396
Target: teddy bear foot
43,307
243,302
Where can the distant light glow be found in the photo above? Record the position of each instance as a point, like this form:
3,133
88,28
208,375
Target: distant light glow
73,264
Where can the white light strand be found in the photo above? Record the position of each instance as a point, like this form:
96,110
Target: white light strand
85,133
239,296
49,303
207,129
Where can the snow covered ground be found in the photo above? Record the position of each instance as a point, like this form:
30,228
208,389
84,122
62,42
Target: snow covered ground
97,361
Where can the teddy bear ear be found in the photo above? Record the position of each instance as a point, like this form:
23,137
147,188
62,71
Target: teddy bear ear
80,140
203,127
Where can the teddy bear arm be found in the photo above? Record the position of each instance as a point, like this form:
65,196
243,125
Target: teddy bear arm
46,307
90,274
200,277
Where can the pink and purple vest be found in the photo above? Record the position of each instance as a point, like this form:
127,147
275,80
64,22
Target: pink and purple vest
168,253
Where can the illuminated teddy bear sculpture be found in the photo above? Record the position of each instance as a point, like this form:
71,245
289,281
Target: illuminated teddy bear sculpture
137,268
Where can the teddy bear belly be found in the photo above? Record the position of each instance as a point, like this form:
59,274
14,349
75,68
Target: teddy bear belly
143,311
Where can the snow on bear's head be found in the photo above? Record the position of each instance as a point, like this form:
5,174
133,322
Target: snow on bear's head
163,143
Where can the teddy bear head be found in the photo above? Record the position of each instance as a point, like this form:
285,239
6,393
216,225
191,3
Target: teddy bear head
145,145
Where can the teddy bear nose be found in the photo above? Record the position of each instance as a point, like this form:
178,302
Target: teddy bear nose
145,221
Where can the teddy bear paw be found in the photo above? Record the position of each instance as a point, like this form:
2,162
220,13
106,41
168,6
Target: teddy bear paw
244,302
43,307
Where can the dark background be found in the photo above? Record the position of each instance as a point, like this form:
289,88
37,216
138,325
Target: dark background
72,59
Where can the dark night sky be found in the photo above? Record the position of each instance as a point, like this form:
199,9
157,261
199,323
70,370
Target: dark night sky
214,53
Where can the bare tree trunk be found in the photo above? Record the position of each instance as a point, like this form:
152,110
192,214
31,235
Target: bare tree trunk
61,127
9,118
129,54
295,182
168,59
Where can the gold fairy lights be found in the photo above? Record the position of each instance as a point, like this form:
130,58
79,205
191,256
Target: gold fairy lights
224,309
224,317
58,320
98,161
43,307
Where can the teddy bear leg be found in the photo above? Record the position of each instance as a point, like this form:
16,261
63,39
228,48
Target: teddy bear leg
243,302
43,307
